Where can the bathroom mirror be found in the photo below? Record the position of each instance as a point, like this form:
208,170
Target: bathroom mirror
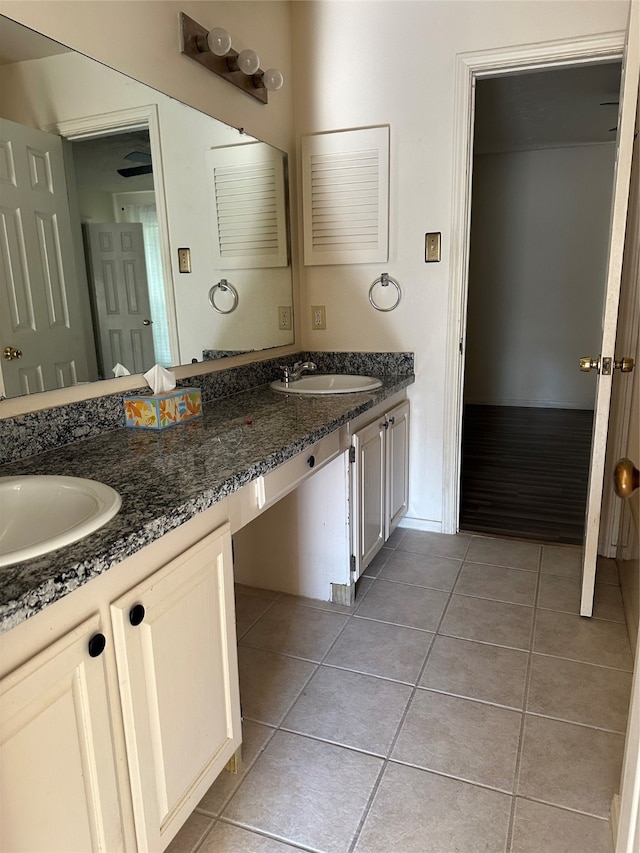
171,239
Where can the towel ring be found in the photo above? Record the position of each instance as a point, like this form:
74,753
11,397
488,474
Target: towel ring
223,285
385,279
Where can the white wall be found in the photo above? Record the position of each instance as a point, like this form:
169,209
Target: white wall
539,236
393,62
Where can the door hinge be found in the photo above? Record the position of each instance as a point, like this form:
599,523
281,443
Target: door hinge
352,562
352,456
460,346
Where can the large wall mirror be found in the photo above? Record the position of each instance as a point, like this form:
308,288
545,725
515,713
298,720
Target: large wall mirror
134,230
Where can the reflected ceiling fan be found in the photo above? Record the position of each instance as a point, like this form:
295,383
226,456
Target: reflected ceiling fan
141,157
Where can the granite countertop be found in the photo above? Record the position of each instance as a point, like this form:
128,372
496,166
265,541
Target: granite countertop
165,478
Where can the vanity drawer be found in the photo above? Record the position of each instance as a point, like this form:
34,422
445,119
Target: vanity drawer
274,485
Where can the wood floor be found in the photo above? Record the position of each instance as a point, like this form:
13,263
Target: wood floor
525,472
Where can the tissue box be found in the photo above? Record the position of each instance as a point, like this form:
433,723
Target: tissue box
159,411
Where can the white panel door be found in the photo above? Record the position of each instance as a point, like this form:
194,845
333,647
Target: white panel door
624,154
368,493
397,466
118,279
58,789
176,653
42,309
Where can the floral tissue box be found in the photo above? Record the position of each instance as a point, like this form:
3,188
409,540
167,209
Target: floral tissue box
159,411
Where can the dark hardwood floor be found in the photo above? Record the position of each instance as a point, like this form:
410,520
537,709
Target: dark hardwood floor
525,472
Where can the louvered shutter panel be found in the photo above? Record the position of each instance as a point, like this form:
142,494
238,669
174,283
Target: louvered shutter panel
248,213
345,191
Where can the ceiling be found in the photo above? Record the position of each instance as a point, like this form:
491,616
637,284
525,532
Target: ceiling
547,109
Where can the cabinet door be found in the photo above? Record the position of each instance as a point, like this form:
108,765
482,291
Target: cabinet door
368,493
177,667
58,788
397,467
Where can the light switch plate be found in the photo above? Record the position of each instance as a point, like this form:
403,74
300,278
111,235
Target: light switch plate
432,247
184,260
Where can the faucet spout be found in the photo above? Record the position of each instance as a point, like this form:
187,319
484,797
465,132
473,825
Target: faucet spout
295,372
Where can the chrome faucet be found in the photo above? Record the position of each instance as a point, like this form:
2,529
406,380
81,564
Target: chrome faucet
290,374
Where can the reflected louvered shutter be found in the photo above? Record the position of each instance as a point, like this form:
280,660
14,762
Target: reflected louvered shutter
346,196
248,215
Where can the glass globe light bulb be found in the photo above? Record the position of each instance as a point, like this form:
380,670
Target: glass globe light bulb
219,41
273,79
248,61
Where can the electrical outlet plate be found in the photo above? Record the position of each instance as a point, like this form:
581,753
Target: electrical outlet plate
184,260
432,247
284,317
318,317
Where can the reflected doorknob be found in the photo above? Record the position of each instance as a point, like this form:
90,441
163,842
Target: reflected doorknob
626,478
11,352
147,322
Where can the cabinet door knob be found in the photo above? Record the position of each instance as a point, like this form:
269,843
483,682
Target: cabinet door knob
392,421
97,645
311,461
136,614
384,425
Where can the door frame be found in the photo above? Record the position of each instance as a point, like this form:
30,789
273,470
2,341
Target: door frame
470,67
122,121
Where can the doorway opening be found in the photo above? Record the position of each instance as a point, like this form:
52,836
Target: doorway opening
543,173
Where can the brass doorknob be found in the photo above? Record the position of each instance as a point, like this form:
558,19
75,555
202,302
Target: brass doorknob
624,365
587,364
11,352
626,478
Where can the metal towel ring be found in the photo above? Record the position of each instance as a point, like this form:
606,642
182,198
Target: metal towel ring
385,279
223,284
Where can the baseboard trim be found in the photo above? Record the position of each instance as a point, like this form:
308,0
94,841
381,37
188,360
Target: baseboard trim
424,524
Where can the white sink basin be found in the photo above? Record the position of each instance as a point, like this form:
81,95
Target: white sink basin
328,383
41,513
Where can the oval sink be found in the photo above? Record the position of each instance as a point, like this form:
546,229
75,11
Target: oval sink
328,383
40,513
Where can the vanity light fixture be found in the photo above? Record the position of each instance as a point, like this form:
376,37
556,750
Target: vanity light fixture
213,49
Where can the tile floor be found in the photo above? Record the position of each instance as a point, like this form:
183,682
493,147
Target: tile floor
462,705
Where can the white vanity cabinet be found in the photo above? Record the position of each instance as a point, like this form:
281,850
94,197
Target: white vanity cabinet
379,482
58,781
175,639
112,752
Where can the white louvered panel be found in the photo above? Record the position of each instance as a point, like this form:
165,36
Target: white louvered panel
248,213
16,284
346,196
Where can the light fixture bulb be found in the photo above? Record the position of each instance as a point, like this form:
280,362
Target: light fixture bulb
272,79
248,61
219,41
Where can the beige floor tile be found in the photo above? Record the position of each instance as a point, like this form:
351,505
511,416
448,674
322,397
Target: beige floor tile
488,621
438,544
563,560
270,683
191,834
504,552
414,812
546,829
401,604
295,630
378,648
570,766
421,570
254,739
396,538
560,593
249,608
227,838
498,583
477,671
607,571
257,592
317,603
579,692
469,740
587,640
306,792
380,559
350,709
